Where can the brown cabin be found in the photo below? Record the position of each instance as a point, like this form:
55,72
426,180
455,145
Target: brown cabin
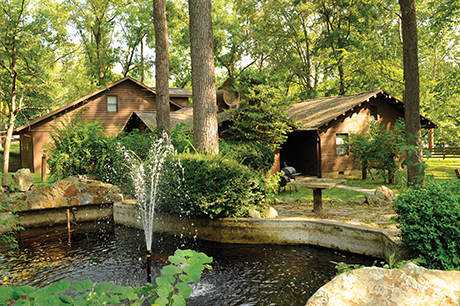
318,148
113,105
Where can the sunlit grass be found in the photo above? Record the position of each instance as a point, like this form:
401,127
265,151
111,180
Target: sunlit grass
442,169
438,169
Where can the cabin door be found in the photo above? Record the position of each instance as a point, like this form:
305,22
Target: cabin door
301,152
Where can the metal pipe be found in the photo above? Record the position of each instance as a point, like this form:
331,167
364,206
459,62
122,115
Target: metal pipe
149,267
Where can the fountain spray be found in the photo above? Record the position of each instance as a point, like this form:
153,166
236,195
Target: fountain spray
146,177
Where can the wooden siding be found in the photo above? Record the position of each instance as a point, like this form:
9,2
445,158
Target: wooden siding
353,122
131,97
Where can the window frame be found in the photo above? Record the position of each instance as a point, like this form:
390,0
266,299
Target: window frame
112,104
342,149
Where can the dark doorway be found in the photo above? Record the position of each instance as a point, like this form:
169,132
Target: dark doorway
301,152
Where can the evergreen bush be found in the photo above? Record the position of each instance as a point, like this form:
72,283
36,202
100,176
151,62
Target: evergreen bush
216,187
252,154
429,219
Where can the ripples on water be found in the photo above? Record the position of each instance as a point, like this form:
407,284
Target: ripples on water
241,275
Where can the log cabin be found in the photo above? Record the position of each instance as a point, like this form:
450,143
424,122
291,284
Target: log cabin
113,105
318,147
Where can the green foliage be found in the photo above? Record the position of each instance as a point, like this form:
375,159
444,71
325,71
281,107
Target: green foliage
429,220
261,117
377,147
112,165
391,264
76,147
217,187
9,223
182,138
170,289
408,150
252,154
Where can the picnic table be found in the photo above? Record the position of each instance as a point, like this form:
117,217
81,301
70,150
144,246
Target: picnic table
317,184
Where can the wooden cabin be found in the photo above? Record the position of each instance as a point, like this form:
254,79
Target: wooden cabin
318,149
113,105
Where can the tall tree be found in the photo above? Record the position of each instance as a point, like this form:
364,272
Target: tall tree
95,22
161,65
203,78
136,30
415,175
29,41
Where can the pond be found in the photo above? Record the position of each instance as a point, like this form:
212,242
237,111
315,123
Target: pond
241,274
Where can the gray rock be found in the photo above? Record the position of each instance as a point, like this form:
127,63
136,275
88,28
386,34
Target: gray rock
374,200
287,200
337,201
407,286
358,201
385,193
277,201
22,180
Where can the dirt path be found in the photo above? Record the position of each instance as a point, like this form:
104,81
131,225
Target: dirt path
375,216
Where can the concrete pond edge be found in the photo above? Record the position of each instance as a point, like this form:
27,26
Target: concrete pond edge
281,231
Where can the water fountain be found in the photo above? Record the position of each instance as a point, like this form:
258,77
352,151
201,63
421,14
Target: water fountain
146,175
243,274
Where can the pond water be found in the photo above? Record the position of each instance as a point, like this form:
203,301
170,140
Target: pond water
241,274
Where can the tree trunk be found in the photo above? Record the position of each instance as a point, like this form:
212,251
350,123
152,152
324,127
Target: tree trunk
161,65
415,176
203,78
6,151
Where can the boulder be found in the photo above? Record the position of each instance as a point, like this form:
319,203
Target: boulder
374,200
385,193
272,213
23,180
407,286
254,214
337,201
71,191
288,200
358,201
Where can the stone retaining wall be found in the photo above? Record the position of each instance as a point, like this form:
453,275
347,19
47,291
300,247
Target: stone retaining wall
72,191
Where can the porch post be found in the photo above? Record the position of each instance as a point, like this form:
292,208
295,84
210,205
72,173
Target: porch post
318,152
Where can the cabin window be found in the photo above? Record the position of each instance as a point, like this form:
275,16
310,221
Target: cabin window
112,103
341,144
373,111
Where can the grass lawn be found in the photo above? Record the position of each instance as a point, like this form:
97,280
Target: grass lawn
438,169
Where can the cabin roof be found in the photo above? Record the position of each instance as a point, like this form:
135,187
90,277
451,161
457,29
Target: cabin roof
84,100
315,113
184,116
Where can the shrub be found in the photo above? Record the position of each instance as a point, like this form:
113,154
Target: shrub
76,147
217,187
113,167
182,138
252,154
429,219
378,147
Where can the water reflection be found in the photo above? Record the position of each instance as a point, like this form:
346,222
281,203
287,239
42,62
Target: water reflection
241,274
